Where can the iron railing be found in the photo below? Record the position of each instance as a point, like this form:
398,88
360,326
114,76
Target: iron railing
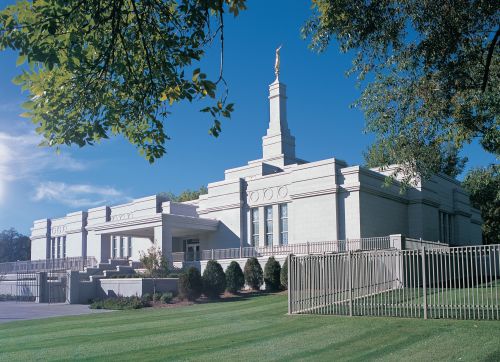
72,263
319,247
412,244
456,282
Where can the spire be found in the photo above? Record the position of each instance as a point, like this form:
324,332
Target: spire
278,145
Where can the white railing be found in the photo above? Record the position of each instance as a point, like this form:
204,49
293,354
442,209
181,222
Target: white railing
72,263
319,247
412,244
456,282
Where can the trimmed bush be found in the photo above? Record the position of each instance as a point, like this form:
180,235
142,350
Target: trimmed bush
156,297
167,297
235,280
284,275
272,271
190,284
214,280
253,274
120,303
147,297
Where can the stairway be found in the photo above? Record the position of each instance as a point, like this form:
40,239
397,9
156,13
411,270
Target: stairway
105,270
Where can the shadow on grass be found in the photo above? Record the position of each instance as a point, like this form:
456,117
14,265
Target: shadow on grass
238,297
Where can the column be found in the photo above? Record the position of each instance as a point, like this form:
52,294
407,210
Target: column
163,240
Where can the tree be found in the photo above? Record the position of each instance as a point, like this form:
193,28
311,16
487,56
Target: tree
272,271
432,71
214,280
235,280
445,158
186,195
98,68
190,284
155,264
14,246
483,185
284,274
253,273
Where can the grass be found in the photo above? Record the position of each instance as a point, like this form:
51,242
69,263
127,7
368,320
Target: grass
253,328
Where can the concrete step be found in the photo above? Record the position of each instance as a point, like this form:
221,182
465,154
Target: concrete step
116,262
125,269
106,266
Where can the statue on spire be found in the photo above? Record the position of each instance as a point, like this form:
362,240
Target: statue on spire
277,63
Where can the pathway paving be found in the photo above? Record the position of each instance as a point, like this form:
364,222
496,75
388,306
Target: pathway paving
15,311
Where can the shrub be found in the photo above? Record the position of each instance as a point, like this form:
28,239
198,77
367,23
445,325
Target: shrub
272,271
235,280
214,280
147,297
167,297
253,273
190,284
284,274
157,297
119,303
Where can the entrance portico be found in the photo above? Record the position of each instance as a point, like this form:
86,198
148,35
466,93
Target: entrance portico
126,238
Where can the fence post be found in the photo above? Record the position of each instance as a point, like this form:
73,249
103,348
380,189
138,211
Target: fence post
350,282
289,272
308,248
241,252
424,281
212,254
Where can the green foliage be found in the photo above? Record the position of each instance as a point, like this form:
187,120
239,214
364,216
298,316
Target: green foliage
253,274
147,297
190,284
14,246
167,297
430,72
120,303
483,185
444,158
235,280
99,68
284,275
154,262
214,280
186,195
272,272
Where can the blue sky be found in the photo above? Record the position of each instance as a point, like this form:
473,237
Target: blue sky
37,183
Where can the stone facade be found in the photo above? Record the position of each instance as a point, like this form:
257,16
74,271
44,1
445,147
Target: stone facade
270,201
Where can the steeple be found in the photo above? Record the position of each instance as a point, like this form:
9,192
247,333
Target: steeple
278,145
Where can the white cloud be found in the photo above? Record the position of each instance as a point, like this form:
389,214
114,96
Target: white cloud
78,195
21,158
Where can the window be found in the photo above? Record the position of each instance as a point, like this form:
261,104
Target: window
129,251
446,232
254,214
122,246
283,224
58,247
64,247
53,248
113,247
268,212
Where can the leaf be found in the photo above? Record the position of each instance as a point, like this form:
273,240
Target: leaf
20,60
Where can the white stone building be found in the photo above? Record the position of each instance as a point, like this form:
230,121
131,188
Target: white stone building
275,200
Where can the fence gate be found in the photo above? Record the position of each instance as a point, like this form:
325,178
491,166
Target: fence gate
458,283
57,281
27,287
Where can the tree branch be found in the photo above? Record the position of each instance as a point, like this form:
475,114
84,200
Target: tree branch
491,48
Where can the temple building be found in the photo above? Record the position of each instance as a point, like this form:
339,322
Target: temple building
277,199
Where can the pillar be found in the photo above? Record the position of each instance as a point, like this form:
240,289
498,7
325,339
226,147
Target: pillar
72,287
163,240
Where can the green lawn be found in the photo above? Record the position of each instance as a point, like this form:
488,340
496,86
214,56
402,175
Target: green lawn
252,329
